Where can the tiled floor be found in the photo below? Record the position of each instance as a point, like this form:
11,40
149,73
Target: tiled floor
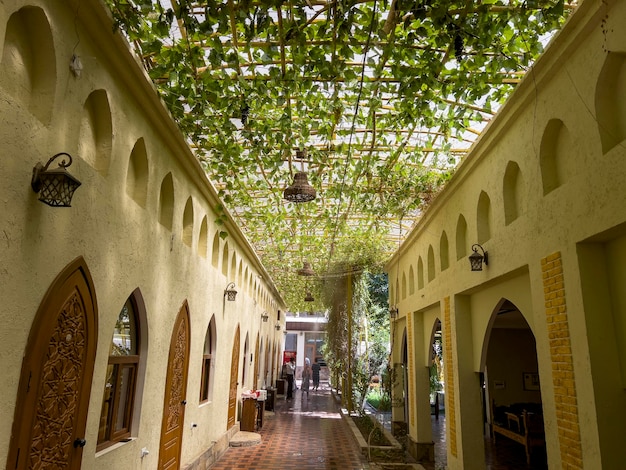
303,433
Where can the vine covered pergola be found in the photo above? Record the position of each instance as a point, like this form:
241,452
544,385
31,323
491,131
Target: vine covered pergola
376,100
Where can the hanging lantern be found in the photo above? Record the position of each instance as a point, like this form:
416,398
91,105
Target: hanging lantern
306,270
309,297
300,190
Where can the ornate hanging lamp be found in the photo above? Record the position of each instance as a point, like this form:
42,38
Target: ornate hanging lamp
306,270
300,190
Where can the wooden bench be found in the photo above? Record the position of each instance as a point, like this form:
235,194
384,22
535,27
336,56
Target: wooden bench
528,431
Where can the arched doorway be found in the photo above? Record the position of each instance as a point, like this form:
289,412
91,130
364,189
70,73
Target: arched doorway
234,372
512,403
175,393
55,383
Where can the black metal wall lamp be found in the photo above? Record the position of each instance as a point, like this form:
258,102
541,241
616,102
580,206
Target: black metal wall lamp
476,259
55,187
230,293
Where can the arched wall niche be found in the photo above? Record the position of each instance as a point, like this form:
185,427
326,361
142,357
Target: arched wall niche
225,257
420,273
483,218
461,237
233,267
610,108
96,132
403,285
187,234
411,281
215,250
554,154
444,254
29,62
431,263
166,202
137,174
203,238
513,192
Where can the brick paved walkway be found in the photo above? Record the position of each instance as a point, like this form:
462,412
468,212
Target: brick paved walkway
303,433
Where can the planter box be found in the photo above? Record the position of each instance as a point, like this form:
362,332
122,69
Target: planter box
375,453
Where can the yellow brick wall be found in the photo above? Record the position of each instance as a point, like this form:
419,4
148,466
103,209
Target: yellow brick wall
563,379
450,410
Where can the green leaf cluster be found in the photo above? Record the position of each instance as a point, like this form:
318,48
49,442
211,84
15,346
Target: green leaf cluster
385,102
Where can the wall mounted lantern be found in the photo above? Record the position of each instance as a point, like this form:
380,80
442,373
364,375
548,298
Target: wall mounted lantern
230,293
265,316
277,327
476,259
55,187
393,312
309,297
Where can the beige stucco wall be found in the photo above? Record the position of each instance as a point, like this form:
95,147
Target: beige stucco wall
573,82
124,245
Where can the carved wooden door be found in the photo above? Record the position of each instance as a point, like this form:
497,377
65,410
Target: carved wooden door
53,397
175,394
234,373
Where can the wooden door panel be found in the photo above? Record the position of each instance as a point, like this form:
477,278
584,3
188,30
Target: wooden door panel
234,373
53,398
175,394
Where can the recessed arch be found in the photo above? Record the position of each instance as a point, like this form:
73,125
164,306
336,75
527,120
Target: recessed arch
187,234
420,273
444,254
215,251
225,257
513,192
137,173
554,154
431,263
483,217
461,237
203,238
96,132
166,202
28,63
403,285
610,108
233,266
411,280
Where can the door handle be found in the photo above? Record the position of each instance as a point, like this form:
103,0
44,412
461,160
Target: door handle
78,442
184,402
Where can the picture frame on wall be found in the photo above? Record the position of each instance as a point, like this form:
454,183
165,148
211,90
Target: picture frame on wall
531,381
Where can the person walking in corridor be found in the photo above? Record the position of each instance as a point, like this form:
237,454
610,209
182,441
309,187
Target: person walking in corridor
289,373
315,372
306,376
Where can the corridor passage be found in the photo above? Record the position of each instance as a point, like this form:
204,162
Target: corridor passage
302,433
